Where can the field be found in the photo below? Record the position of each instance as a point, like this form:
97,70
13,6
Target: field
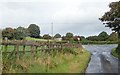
68,61
35,39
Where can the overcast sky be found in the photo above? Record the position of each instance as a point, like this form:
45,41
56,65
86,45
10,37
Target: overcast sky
77,16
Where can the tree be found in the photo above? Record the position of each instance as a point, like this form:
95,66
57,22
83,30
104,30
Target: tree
83,38
21,33
93,38
113,37
57,36
8,32
47,36
112,19
34,30
63,38
0,35
103,36
69,36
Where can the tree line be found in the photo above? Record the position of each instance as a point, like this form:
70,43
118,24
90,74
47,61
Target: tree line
103,36
33,31
20,33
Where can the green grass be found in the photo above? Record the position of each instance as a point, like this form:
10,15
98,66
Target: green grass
36,39
53,62
115,54
42,40
99,42
73,64
10,48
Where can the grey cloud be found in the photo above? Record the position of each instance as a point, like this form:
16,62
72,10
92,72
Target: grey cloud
77,16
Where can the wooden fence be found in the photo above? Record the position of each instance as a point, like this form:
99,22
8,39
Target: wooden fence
45,46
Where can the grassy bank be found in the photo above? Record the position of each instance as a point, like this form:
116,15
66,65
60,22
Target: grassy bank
99,42
115,54
52,62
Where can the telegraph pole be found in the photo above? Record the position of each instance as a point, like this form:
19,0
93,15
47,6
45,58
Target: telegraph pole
52,30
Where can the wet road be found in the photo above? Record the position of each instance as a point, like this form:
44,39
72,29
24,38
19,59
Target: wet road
101,60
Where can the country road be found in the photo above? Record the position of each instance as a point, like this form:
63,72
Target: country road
101,60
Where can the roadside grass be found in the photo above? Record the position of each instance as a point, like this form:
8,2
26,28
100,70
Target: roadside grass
74,64
53,62
115,54
99,42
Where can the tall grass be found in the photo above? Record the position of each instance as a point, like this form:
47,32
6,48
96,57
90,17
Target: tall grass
67,61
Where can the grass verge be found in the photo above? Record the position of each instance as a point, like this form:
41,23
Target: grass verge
53,62
115,54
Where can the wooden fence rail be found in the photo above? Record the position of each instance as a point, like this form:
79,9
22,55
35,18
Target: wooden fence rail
35,44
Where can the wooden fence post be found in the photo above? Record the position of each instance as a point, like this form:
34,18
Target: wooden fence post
61,47
36,49
17,50
42,49
32,50
5,49
23,49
